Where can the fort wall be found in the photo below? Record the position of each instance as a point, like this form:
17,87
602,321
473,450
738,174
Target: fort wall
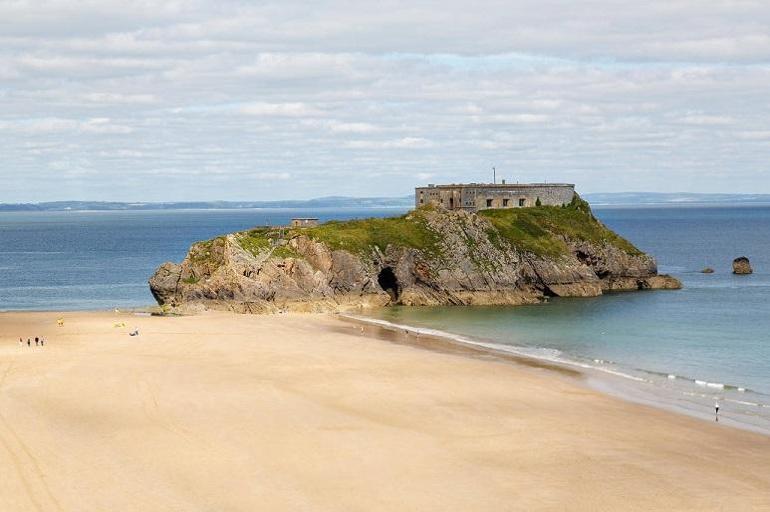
485,196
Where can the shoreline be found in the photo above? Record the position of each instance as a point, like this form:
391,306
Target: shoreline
610,382
606,381
221,411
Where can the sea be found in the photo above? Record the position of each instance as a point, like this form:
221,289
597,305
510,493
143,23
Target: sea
684,349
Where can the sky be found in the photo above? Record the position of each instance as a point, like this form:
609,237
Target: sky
188,100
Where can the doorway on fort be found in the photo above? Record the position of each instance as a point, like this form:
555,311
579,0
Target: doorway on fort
388,282
451,203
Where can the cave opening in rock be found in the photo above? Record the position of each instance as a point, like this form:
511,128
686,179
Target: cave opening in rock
388,282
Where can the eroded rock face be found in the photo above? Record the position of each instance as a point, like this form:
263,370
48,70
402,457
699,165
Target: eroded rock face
471,268
742,266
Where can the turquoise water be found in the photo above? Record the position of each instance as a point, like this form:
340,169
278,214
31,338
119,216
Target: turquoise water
712,337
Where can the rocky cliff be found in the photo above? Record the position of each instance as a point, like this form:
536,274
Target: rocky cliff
429,256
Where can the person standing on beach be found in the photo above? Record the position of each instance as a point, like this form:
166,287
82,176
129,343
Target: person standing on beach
29,342
716,410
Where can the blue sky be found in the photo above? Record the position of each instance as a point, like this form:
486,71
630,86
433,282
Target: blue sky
189,100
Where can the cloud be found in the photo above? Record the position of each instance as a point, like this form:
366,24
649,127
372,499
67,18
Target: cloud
343,127
706,120
245,100
119,98
402,143
278,109
755,135
58,125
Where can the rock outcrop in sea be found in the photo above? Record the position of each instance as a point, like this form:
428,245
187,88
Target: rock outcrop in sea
742,266
430,256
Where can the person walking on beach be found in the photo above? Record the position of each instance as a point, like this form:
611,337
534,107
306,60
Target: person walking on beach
716,410
42,342
29,342
36,340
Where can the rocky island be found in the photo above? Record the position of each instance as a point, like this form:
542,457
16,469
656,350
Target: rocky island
429,256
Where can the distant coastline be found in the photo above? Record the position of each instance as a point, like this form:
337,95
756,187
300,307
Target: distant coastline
322,202
674,199
407,201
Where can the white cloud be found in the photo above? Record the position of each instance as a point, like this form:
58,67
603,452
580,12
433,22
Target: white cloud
119,98
342,127
273,175
273,99
402,143
755,135
59,125
278,109
706,120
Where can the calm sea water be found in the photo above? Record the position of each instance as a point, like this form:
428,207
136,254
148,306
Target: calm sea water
712,337
101,260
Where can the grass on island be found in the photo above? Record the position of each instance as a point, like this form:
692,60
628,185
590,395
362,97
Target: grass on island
540,230
359,236
256,241
259,241
362,235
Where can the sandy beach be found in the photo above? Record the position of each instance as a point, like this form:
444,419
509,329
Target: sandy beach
223,412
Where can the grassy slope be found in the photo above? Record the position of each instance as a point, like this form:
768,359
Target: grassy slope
534,230
359,236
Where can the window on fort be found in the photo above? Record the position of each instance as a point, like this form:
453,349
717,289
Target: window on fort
489,203
505,202
522,202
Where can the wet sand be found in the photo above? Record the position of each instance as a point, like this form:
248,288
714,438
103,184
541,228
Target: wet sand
306,412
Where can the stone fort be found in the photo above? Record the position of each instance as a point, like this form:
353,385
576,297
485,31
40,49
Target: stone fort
483,196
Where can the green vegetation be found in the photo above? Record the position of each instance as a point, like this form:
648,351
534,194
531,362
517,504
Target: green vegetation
540,230
191,280
285,251
360,236
260,240
356,236
206,251
256,240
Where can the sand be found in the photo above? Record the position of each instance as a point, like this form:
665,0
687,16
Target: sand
224,412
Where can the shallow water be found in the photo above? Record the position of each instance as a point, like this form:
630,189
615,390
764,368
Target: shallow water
710,340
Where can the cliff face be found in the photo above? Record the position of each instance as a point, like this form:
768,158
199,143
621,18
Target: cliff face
427,257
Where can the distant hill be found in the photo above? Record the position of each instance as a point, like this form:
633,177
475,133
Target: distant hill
321,202
673,198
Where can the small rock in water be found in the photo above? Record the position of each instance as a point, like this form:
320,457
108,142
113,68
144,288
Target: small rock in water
741,266
707,270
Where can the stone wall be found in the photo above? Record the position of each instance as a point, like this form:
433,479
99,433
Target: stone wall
483,196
